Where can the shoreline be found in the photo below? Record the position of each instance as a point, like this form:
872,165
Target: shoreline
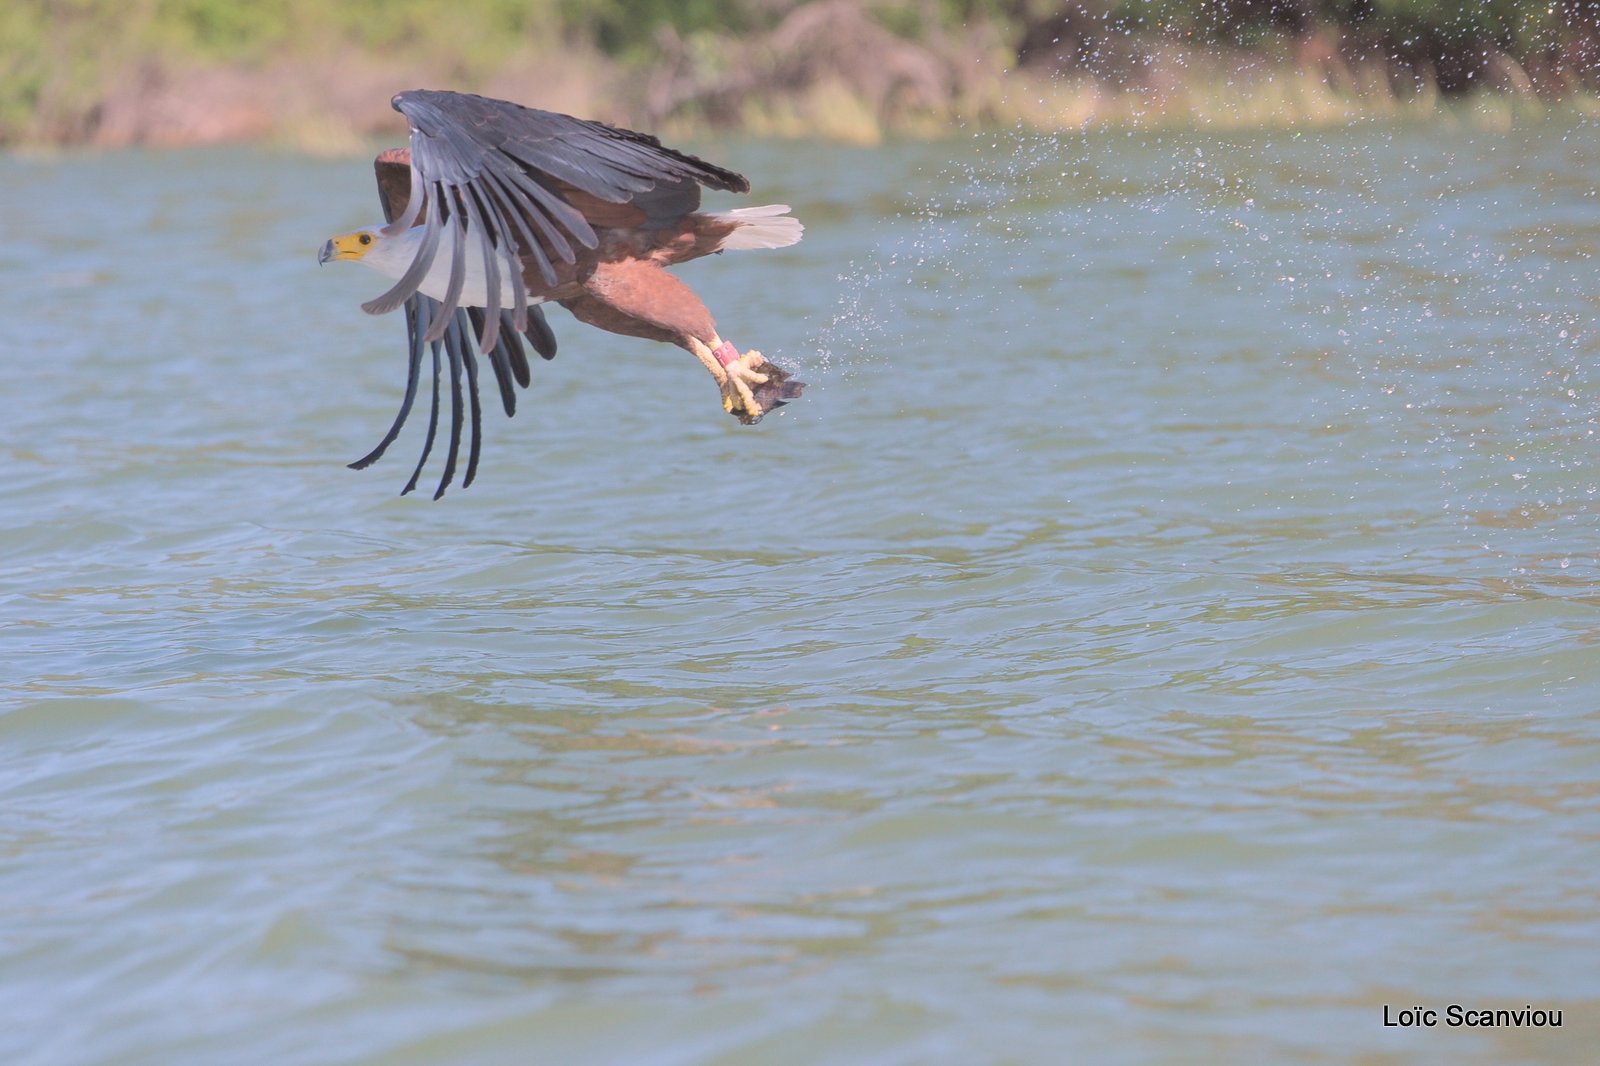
828,69
208,107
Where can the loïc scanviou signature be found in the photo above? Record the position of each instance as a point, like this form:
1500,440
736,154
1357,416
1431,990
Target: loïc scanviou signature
1456,1015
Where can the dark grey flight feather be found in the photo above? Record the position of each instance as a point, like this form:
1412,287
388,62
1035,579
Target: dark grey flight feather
433,427
475,412
456,356
414,307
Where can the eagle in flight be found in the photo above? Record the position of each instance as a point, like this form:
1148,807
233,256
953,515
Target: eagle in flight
496,209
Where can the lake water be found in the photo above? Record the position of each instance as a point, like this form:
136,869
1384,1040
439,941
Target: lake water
1167,629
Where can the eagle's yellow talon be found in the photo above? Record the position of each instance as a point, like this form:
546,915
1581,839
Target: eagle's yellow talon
737,378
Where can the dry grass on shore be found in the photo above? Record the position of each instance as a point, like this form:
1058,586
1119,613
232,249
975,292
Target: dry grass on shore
827,70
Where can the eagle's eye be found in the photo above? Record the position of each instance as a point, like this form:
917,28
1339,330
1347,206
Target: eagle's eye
365,238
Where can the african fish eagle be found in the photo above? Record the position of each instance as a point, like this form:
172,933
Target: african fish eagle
496,209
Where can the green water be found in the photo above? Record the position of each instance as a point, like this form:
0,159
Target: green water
1166,631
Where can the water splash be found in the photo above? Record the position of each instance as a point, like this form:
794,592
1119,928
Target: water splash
1428,307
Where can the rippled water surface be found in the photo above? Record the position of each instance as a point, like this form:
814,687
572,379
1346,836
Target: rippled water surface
1166,630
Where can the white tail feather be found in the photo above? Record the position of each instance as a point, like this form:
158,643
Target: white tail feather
759,227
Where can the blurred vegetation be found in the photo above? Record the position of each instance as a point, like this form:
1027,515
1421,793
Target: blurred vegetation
59,58
67,66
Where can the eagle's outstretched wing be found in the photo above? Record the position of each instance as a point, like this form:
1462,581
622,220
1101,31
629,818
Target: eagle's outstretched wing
507,357
513,173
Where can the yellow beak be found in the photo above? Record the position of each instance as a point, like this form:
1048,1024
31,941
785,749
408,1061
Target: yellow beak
345,246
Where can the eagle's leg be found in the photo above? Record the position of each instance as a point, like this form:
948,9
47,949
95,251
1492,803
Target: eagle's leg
738,376
637,298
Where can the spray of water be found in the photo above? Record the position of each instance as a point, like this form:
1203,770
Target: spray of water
1436,284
